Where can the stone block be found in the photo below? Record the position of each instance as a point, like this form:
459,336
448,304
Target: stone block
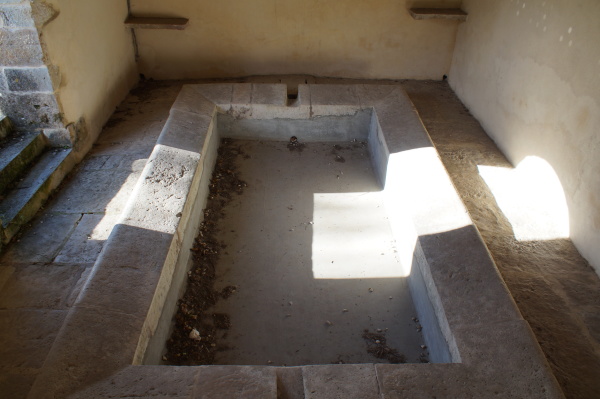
16,15
217,93
428,381
58,137
190,100
3,83
348,381
158,382
460,266
242,93
6,126
32,110
185,131
28,79
136,260
269,94
20,47
240,382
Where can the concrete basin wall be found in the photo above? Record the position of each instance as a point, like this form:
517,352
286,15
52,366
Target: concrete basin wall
116,323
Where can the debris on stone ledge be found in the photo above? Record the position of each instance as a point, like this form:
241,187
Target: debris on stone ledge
377,346
295,145
195,335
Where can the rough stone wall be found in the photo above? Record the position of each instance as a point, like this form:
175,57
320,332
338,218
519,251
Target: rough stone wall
27,94
529,71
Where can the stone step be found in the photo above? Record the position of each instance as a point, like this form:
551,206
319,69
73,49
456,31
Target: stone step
17,152
28,194
6,126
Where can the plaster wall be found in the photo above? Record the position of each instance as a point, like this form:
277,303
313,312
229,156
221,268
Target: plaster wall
346,39
529,71
93,57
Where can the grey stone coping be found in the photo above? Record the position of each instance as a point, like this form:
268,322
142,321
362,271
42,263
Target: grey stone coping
101,348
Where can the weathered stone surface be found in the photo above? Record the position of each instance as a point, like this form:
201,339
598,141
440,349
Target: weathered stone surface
348,381
151,382
32,110
39,286
110,288
101,188
43,241
190,100
16,385
240,382
22,203
461,266
21,47
58,137
273,94
186,130
87,240
429,381
28,79
17,154
26,337
92,346
290,383
217,93
16,15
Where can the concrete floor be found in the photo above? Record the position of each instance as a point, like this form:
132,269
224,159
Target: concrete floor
42,273
311,251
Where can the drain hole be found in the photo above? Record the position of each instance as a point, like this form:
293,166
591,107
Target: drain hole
292,96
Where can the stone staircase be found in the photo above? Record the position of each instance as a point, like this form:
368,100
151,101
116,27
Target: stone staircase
29,170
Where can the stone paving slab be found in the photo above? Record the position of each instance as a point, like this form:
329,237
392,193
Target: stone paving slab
43,240
109,339
356,381
101,188
39,286
87,240
26,337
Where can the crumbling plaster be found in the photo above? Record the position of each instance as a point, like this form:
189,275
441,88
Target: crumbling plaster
529,71
92,56
348,39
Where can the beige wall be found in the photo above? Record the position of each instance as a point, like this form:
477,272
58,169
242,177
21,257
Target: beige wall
529,70
94,55
350,38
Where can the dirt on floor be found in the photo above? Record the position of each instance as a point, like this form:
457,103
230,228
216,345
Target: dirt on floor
314,327
194,338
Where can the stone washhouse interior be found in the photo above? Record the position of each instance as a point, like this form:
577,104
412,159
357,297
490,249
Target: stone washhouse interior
299,199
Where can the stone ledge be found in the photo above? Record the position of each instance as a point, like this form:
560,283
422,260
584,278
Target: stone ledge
156,23
455,14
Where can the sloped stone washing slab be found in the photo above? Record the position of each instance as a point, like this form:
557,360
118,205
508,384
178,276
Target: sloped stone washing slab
480,343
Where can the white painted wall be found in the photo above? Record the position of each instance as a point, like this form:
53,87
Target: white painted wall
349,39
529,71
94,54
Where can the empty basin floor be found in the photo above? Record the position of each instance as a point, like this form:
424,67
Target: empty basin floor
309,249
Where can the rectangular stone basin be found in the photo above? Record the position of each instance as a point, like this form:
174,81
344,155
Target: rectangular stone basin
479,345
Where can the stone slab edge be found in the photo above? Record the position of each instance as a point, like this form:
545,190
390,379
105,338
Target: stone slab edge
75,364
